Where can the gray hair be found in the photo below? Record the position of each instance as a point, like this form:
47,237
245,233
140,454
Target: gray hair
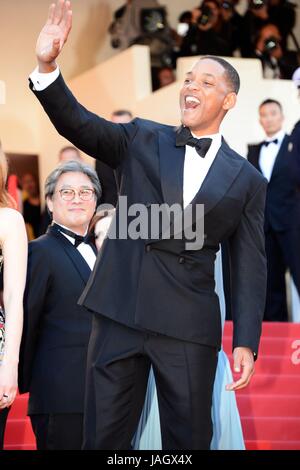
69,167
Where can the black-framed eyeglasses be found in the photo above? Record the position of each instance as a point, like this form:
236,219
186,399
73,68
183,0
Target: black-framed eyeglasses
68,194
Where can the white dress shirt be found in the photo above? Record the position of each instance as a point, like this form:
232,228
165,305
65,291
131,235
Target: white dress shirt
84,249
42,80
268,154
195,167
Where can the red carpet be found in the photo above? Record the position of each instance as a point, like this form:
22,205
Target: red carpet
269,406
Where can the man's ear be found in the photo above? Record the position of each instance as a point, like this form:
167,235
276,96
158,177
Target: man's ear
229,101
49,204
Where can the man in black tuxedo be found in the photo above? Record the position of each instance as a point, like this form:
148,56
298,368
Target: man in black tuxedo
279,161
56,328
153,296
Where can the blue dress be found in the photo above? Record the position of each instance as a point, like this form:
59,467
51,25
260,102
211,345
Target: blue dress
227,430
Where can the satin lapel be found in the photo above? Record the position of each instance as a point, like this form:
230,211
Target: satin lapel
171,168
280,157
220,177
78,261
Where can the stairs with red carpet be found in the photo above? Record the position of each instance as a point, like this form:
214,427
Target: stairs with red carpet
269,406
18,433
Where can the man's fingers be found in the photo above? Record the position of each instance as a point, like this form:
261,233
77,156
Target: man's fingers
242,383
237,362
51,14
248,371
58,13
67,23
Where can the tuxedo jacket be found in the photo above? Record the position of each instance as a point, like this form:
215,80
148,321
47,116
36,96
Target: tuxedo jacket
161,286
56,328
282,210
109,183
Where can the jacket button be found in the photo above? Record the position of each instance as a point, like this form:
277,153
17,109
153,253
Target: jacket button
181,260
148,248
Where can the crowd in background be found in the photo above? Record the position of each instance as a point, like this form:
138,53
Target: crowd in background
215,27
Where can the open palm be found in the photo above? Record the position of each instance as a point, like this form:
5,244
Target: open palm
55,32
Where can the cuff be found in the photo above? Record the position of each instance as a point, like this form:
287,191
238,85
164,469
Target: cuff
42,80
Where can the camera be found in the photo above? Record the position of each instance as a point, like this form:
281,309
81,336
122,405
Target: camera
206,15
270,44
153,20
257,4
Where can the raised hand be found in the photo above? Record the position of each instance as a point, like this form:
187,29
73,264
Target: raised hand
54,35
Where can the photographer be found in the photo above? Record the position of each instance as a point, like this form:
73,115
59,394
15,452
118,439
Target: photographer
254,19
283,14
276,62
205,32
232,24
144,22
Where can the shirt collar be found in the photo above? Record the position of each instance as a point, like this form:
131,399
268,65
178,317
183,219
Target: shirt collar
279,135
71,239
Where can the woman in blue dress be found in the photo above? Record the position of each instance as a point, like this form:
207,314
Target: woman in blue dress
227,430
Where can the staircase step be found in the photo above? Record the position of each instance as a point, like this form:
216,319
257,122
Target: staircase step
272,445
20,447
271,429
279,365
268,346
19,407
269,405
19,431
272,383
274,329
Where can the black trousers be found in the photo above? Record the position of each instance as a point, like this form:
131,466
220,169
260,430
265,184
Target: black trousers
58,431
282,250
118,366
3,418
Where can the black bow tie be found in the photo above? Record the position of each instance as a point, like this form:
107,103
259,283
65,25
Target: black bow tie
267,142
77,238
184,137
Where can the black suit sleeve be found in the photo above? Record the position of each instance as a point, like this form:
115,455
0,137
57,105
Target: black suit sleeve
108,181
92,134
248,272
38,284
295,160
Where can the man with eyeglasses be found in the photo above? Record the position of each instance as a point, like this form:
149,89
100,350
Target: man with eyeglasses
56,328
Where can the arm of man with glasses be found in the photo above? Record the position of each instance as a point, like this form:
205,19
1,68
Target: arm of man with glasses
93,135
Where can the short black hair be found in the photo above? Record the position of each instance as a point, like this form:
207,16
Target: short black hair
271,101
231,74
